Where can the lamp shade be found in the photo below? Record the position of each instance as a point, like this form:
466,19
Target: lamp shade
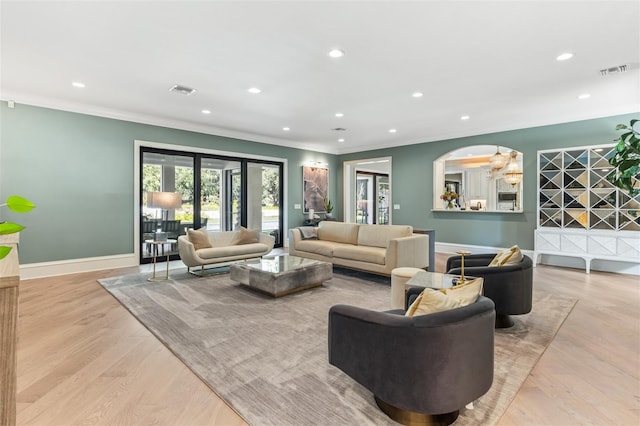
164,200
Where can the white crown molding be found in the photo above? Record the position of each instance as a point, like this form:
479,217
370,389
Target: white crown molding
456,132
98,111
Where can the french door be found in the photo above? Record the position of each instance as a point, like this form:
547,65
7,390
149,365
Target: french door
183,190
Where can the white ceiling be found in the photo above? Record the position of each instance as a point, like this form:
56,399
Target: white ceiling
494,61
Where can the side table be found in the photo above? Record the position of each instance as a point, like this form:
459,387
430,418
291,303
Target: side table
155,244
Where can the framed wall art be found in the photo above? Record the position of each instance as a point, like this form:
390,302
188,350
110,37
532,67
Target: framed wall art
315,187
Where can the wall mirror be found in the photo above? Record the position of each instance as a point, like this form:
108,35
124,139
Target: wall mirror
484,178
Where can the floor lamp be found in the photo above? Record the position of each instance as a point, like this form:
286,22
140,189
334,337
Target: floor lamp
164,201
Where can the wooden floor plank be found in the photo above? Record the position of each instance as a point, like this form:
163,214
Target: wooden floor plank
83,359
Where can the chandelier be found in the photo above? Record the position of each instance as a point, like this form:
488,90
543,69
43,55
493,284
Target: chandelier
513,174
497,160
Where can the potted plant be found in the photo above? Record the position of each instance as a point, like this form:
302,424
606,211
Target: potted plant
449,198
626,161
19,205
328,207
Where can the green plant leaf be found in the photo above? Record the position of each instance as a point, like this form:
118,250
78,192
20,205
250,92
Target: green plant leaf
19,204
634,121
10,228
621,127
4,251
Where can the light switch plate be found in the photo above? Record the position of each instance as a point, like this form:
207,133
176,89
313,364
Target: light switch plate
297,206
396,206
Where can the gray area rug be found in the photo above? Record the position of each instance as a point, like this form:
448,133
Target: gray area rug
267,358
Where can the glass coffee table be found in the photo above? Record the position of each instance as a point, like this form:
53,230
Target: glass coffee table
281,275
435,280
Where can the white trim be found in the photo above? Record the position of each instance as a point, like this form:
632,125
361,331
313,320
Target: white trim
349,171
74,266
320,146
137,144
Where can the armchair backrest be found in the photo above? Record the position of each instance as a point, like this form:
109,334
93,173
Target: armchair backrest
432,363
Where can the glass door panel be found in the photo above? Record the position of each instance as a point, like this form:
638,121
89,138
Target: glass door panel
232,196
167,202
264,210
382,189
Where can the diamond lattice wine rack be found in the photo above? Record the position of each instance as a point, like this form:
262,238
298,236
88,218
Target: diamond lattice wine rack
575,193
580,213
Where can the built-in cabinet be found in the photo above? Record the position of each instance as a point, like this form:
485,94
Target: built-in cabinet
580,213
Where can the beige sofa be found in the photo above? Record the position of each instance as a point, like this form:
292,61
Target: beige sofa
373,248
224,249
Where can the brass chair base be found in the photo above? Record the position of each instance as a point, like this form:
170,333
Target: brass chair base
412,418
504,321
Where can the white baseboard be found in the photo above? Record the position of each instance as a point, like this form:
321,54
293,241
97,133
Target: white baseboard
73,266
562,261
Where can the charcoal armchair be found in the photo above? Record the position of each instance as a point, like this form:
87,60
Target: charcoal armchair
422,368
510,286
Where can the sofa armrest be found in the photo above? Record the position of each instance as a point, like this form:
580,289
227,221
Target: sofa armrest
408,251
187,252
267,240
295,236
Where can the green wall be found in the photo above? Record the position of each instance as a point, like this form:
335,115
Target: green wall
78,170
412,184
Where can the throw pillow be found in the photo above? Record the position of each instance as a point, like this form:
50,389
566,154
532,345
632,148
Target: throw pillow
199,238
431,301
245,236
510,256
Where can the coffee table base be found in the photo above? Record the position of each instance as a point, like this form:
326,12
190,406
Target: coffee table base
300,274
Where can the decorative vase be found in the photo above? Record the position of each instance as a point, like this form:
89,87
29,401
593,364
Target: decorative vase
449,205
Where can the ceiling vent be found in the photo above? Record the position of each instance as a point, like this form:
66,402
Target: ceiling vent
614,70
182,89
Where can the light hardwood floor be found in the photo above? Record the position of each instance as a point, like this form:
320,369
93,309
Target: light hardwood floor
83,359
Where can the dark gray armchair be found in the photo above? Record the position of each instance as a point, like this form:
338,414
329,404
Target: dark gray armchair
510,287
423,366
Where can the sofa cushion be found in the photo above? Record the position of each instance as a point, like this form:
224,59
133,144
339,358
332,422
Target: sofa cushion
340,232
199,238
245,236
510,256
323,248
228,251
222,238
360,253
379,235
431,301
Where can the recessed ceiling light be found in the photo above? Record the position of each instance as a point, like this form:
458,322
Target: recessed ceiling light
393,130
564,56
465,117
78,84
417,94
339,114
336,53
206,111
598,150
340,140
286,129
254,90
584,96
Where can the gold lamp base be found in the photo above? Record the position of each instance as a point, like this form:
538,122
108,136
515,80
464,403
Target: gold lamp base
412,418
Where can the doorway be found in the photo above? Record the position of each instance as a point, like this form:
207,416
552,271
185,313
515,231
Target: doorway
214,192
367,191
